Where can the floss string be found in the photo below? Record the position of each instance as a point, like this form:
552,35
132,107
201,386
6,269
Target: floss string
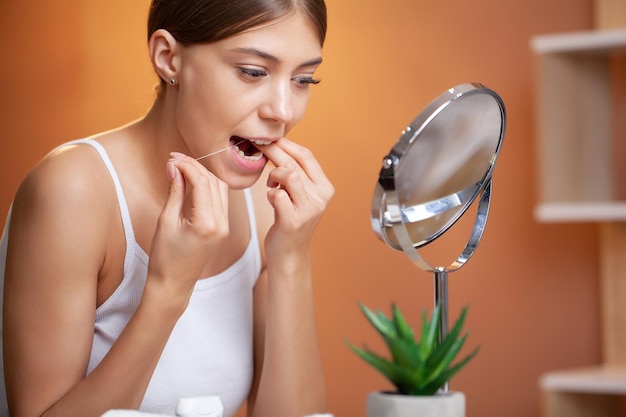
221,150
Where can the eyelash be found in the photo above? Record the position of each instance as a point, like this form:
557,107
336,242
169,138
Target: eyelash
255,74
307,80
252,73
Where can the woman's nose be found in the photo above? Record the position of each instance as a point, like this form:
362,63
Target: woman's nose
278,105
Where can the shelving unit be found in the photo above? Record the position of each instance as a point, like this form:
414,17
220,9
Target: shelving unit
595,391
599,379
575,92
581,129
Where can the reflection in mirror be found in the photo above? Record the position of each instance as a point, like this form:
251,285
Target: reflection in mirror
440,164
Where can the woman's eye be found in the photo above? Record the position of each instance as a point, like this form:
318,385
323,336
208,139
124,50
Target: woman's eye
305,81
251,73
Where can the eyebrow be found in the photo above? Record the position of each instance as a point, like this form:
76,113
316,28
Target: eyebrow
270,57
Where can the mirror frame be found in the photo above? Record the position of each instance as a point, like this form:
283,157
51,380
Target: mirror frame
388,215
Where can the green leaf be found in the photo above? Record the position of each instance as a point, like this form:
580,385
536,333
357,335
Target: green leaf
430,333
381,364
442,366
402,378
406,354
381,323
446,376
446,344
402,327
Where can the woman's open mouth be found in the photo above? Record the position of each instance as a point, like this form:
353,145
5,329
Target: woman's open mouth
246,148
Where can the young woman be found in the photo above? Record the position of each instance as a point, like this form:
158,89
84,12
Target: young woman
169,258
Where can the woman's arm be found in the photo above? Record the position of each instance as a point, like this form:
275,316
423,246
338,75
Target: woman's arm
59,238
289,376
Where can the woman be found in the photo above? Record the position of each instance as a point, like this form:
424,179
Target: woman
167,258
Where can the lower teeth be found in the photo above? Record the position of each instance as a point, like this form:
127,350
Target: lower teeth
254,157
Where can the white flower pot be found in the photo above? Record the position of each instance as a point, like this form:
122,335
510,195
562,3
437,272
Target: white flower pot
380,404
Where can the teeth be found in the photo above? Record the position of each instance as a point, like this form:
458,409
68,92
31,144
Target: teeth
260,142
255,157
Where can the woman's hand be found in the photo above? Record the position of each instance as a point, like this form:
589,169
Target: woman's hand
289,379
299,193
193,223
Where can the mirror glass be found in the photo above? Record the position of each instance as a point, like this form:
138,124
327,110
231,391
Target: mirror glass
440,164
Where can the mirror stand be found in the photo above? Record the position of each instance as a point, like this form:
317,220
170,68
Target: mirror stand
440,166
441,272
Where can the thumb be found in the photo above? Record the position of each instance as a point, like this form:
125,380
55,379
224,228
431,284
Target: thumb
176,193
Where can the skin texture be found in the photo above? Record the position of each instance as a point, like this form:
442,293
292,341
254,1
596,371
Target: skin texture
67,246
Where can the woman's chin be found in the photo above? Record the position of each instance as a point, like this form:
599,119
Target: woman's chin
237,180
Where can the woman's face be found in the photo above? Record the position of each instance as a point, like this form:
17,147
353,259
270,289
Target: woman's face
253,86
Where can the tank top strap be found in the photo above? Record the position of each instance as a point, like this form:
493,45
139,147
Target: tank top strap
121,199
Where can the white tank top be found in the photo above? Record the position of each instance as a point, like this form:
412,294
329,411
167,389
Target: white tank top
210,350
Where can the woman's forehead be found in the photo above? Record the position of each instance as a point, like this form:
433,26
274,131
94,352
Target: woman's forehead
289,36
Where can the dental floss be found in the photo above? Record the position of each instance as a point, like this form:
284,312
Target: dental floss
221,150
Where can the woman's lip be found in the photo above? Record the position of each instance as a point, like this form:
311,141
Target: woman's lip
248,164
262,141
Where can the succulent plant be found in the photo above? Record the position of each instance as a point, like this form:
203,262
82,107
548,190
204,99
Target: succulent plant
416,367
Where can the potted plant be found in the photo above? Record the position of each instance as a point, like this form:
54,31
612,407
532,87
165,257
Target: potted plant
418,369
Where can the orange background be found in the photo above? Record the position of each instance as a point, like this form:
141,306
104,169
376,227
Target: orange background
69,69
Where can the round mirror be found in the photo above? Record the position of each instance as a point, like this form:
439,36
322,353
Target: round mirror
441,163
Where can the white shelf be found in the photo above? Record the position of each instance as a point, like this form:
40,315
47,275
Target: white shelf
581,149
606,379
581,212
587,41
581,177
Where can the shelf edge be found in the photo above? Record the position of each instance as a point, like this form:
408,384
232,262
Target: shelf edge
585,41
580,212
605,379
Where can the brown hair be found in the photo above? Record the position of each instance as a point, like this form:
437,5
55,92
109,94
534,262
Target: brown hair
203,21
211,20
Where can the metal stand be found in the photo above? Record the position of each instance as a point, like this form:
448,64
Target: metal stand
441,273
441,300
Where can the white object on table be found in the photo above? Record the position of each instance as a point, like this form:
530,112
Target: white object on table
200,407
209,406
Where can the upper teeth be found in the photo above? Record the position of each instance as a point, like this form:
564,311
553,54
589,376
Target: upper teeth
260,142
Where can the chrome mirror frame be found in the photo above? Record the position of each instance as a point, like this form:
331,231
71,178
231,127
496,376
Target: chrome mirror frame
395,222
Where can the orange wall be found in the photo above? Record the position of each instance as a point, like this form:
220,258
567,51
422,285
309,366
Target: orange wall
70,70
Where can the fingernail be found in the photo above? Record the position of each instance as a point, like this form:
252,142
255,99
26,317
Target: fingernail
171,170
178,155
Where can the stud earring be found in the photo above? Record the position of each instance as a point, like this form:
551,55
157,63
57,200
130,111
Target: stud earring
172,81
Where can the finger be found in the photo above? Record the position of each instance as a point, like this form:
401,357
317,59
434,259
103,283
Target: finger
280,200
285,153
191,164
208,194
311,167
176,192
289,179
277,154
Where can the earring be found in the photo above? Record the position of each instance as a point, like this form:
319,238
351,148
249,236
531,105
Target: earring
172,81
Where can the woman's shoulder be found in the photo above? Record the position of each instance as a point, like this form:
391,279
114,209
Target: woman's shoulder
68,166
71,177
62,211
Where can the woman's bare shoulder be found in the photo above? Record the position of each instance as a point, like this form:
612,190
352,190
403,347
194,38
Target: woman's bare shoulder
68,176
67,195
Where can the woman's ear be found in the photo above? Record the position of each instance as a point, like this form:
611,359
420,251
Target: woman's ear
165,55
